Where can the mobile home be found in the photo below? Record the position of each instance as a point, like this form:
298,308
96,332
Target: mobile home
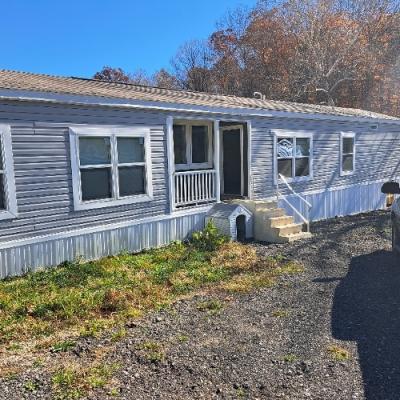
91,168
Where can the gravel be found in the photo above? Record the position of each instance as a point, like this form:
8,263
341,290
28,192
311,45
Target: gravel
272,343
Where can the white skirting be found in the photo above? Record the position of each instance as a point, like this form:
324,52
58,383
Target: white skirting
339,202
19,257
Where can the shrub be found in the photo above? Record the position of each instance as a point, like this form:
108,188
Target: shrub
209,239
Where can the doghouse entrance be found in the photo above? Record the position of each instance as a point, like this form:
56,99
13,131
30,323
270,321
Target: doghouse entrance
241,228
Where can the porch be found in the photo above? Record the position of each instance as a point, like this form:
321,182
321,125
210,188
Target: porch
208,161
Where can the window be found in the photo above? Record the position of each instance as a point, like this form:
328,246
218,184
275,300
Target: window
110,166
293,155
192,145
8,202
347,153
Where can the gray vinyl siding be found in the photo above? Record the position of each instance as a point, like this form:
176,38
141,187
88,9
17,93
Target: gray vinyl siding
377,154
43,172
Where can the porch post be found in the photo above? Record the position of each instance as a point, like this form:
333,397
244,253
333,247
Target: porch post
217,165
171,163
249,163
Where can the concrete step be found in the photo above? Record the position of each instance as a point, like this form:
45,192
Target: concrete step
265,205
255,205
271,223
296,236
275,222
266,213
290,229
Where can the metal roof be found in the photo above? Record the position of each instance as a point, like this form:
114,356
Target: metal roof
24,81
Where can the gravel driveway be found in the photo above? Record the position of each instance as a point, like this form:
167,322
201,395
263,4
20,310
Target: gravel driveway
276,343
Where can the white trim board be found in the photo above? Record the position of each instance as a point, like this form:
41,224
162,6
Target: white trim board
344,135
224,129
290,134
113,133
101,228
58,98
6,156
189,124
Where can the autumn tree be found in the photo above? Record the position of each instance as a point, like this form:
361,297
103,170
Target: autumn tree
110,74
334,52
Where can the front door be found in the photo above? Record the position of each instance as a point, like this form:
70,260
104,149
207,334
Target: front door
232,161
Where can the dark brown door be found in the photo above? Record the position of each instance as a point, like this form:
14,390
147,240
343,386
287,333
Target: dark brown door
232,162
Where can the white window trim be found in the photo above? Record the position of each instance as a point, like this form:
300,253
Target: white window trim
11,210
342,136
278,133
112,132
188,132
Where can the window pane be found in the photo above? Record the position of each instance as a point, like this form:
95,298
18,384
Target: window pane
130,150
96,183
347,163
348,145
302,167
285,168
131,180
180,144
285,147
94,150
2,200
302,147
199,144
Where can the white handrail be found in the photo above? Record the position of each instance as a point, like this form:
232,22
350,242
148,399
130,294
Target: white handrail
293,208
291,189
279,195
193,171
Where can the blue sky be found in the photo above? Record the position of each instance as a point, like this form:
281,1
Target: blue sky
76,38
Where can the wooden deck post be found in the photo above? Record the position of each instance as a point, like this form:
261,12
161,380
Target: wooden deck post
171,163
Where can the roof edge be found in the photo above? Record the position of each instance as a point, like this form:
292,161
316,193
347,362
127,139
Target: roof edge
58,98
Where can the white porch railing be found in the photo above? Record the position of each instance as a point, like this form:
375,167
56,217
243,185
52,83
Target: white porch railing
195,187
280,196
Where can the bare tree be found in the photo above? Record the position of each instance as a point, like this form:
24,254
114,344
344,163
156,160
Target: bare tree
192,66
111,74
165,79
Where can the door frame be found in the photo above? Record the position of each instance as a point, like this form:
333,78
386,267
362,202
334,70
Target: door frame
221,167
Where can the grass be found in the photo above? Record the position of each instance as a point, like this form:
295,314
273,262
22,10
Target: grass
290,358
31,386
74,381
153,351
92,296
280,313
49,309
63,346
182,338
212,306
118,335
338,353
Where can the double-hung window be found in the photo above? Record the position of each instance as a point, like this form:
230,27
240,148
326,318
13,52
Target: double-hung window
110,166
347,153
8,202
192,145
293,155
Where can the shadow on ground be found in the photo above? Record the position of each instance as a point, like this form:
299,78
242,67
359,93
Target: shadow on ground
366,309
